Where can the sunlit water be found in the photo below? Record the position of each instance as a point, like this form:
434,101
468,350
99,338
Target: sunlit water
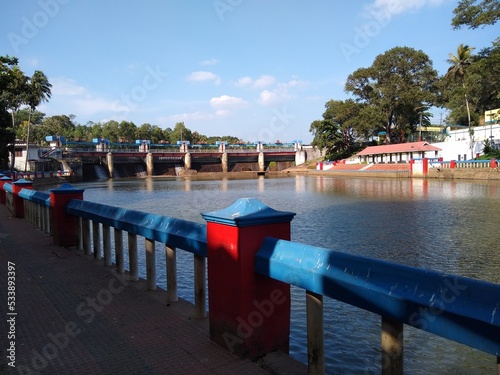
446,226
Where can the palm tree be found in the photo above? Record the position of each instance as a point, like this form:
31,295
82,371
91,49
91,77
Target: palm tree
38,91
457,71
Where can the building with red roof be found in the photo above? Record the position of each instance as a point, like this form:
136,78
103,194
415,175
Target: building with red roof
398,152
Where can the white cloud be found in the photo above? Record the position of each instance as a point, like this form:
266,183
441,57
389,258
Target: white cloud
66,87
228,103
259,83
281,93
202,76
244,81
209,62
394,7
267,97
186,117
71,97
89,105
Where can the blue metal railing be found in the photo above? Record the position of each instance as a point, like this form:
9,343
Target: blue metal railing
35,196
187,235
453,307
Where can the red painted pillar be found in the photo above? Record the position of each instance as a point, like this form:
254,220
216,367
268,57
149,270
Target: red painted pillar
425,167
63,225
17,201
453,164
249,313
3,180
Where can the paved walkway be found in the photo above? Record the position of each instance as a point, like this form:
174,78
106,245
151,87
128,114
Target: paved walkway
77,317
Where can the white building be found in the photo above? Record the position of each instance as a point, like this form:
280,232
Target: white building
21,154
457,145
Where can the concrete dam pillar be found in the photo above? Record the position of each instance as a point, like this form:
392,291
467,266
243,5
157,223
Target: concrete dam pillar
150,164
224,162
261,162
300,157
109,162
187,161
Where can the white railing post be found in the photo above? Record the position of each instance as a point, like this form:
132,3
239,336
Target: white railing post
392,347
150,264
200,293
132,257
79,232
86,236
39,216
96,236
315,334
171,260
106,244
48,226
119,250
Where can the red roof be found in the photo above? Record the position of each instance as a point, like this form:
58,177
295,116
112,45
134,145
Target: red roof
398,148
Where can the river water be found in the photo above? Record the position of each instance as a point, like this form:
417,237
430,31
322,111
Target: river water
440,225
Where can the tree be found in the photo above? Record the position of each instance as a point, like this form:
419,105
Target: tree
486,65
127,131
111,131
398,81
25,115
326,135
157,135
180,133
38,91
13,94
457,72
6,134
60,125
145,132
82,133
475,13
344,119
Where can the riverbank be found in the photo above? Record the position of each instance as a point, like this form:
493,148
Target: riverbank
434,173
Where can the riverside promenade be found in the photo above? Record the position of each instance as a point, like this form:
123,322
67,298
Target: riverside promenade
74,316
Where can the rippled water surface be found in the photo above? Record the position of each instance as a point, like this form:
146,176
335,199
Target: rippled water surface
446,226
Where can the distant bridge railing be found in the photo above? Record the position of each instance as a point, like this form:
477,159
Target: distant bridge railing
177,151
457,308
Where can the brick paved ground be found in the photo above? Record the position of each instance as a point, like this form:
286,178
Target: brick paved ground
78,317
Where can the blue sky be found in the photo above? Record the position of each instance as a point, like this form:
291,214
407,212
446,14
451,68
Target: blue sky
255,69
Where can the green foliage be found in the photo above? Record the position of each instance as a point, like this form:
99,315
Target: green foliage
181,133
398,82
344,122
477,85
476,13
6,136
